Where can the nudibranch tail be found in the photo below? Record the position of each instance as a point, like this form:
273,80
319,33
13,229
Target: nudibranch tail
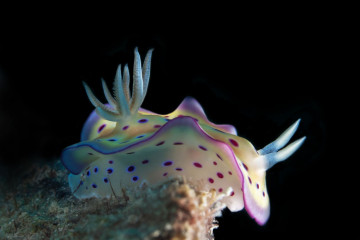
123,104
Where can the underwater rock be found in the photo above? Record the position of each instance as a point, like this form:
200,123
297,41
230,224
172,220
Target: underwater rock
36,210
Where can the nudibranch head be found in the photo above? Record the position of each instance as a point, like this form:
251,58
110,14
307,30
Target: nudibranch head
124,146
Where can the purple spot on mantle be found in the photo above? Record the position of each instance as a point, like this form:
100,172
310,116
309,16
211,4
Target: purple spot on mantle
245,166
233,142
145,161
109,170
168,163
160,143
131,169
135,178
220,175
101,128
125,127
144,120
198,165
202,148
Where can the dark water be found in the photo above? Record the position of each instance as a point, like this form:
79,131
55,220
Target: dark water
260,80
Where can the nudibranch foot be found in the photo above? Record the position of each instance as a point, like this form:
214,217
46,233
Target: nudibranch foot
124,146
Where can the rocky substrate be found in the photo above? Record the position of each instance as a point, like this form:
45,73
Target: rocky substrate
39,205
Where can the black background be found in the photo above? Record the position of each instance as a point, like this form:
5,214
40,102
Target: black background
258,75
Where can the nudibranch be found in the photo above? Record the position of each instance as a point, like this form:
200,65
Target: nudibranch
124,146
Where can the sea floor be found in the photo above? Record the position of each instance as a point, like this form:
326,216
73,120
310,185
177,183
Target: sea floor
39,205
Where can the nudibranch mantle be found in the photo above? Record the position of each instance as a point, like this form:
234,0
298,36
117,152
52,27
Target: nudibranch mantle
124,146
